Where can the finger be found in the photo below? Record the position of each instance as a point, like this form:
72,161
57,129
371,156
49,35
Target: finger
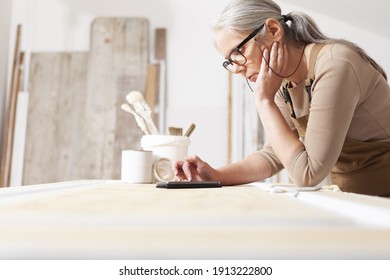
192,158
187,170
180,175
195,161
280,58
264,63
263,70
176,166
273,56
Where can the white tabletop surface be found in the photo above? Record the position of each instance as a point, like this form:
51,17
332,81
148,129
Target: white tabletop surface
114,220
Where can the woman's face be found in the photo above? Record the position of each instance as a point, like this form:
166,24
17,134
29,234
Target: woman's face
226,42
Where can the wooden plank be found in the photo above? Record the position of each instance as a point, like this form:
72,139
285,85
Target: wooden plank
18,87
57,86
160,50
160,54
117,64
19,139
153,89
6,151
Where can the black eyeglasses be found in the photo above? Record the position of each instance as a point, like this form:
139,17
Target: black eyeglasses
236,57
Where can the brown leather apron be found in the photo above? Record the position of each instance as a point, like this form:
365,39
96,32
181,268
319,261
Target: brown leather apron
362,167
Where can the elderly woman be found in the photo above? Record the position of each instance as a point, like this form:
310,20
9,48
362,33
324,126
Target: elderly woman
324,103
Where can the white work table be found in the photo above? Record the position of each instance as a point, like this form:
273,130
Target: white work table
115,220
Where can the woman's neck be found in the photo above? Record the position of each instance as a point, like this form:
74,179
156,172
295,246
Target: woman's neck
297,58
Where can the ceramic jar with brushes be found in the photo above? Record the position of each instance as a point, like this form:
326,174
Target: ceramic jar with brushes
165,148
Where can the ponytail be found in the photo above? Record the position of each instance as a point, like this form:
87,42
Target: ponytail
304,29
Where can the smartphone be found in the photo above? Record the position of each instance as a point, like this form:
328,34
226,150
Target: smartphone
188,185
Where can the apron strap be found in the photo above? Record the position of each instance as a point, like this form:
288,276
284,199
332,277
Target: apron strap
310,77
312,60
301,123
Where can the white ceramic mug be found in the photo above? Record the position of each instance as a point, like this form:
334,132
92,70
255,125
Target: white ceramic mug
137,166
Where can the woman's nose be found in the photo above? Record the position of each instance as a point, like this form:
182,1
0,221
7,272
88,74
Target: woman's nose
239,69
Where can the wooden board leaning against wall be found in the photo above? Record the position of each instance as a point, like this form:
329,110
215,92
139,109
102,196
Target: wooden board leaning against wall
75,127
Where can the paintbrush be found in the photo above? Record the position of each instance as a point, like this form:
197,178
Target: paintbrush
140,121
176,131
190,130
136,99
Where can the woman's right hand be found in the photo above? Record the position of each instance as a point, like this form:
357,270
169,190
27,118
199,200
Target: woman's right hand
194,169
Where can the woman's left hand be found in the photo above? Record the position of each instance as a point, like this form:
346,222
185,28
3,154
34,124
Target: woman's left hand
268,83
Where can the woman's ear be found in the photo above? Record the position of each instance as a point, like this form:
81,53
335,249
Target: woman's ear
274,29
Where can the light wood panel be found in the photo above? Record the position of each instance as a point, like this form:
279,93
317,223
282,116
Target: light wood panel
117,65
54,134
75,128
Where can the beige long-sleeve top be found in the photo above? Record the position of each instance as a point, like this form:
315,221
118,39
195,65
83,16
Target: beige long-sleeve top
349,99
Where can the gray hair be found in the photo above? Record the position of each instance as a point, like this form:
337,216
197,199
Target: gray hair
243,16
